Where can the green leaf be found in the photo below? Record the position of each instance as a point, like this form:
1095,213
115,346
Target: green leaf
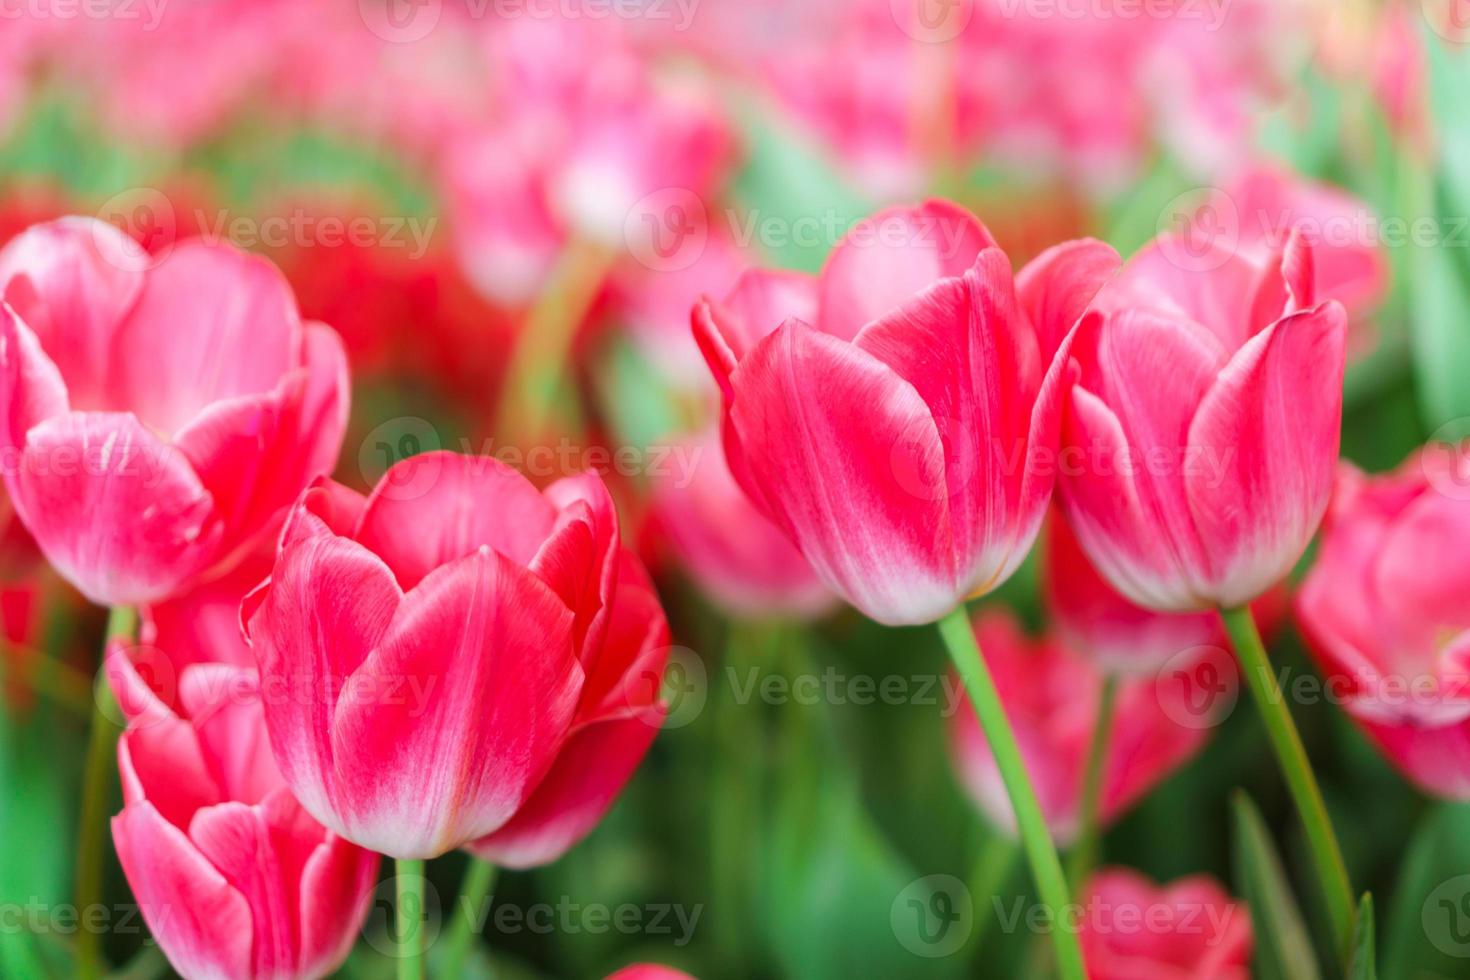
1283,950
1362,963
1449,80
793,204
1423,934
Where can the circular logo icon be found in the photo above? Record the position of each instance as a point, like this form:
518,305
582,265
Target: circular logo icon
932,21
683,687
392,451
147,218
1446,917
667,231
1198,687
417,927
933,917
120,702
1444,465
1450,19
1199,230
400,21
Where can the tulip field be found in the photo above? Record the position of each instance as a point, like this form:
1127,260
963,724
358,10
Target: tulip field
722,489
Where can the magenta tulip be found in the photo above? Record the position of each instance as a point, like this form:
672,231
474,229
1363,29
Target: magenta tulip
1385,609
233,877
1199,442
462,658
897,416
732,551
1190,929
155,421
1051,694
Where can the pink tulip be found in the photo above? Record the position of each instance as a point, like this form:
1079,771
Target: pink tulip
1385,611
896,417
233,877
154,421
1199,442
464,659
1190,929
648,971
734,553
1257,212
1051,694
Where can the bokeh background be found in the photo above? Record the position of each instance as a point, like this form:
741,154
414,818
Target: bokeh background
507,208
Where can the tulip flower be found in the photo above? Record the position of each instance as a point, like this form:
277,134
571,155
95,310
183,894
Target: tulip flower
1198,447
733,551
1051,693
233,877
156,419
648,971
896,416
1199,442
464,660
1190,929
1384,610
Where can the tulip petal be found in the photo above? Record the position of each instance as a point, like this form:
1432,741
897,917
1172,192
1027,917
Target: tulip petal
761,301
73,281
597,761
1272,423
964,346
1104,506
579,559
33,390
1055,288
336,892
458,713
884,260
239,841
470,501
204,926
328,604
1152,375
851,467
117,512
243,334
1213,290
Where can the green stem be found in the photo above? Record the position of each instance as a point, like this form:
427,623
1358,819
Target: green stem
1084,853
477,883
1331,870
100,769
534,374
1046,867
409,877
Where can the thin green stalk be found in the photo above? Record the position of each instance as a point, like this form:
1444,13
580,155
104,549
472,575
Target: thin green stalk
1084,852
1041,852
409,908
465,926
1291,756
100,769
